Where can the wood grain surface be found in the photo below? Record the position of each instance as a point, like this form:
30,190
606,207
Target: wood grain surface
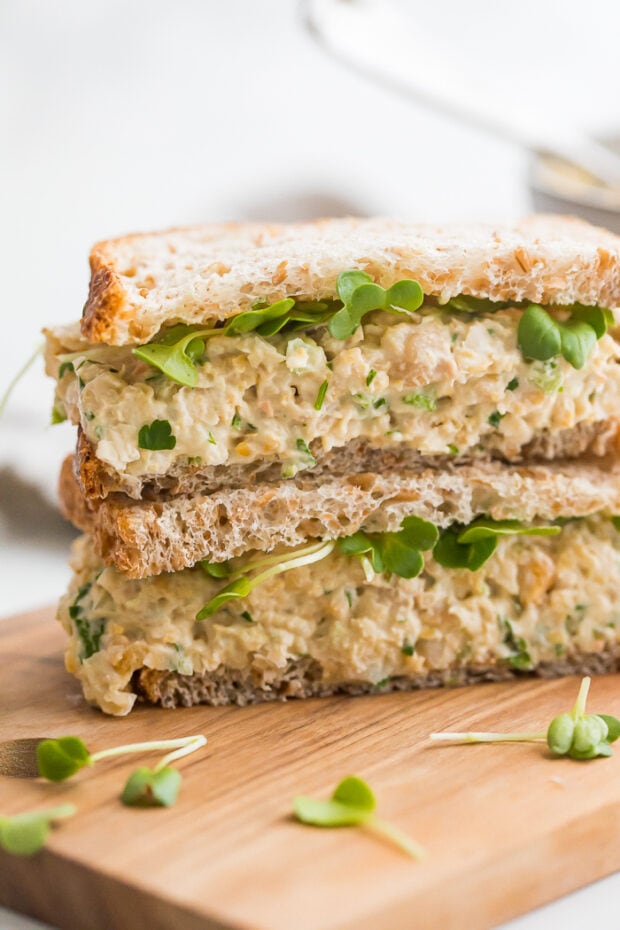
506,828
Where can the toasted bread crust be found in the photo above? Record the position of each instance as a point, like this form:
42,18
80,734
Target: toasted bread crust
143,282
142,538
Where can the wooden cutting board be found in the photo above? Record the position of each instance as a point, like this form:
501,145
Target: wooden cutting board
506,828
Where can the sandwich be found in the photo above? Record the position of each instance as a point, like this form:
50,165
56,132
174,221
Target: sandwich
352,455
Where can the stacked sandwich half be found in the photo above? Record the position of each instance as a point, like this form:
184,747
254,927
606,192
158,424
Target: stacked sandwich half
353,455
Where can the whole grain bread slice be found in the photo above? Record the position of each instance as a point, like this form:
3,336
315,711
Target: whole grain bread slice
303,679
143,538
98,480
140,283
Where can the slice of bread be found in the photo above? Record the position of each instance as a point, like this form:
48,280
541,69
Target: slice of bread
538,604
599,439
303,679
140,283
142,538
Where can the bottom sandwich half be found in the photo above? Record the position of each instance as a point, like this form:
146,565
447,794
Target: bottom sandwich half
331,617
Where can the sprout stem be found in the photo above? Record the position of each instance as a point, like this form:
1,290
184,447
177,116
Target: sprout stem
278,559
181,747
580,704
61,812
395,836
488,737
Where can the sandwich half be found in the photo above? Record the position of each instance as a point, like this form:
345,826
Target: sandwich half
341,456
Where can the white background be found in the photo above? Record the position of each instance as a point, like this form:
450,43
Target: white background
120,115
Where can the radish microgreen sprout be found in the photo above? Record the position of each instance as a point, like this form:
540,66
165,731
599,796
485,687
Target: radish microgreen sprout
576,734
25,834
353,805
59,759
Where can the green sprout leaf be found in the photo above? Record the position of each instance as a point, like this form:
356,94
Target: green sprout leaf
233,591
471,546
175,353
25,834
538,335
576,734
542,337
485,528
613,727
451,553
156,436
271,319
360,295
405,295
59,759
152,787
599,318
216,569
353,805
578,340
398,553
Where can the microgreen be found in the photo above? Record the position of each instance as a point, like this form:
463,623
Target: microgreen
25,834
156,436
513,384
353,804
576,734
59,759
540,336
398,553
176,352
469,547
360,295
240,584
152,787
370,377
320,397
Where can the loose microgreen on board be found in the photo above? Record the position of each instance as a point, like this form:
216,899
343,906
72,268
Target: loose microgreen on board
353,805
152,787
25,834
59,759
574,734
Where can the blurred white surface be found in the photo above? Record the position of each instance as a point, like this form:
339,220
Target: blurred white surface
122,116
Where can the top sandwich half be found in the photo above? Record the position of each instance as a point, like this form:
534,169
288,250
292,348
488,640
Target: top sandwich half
213,357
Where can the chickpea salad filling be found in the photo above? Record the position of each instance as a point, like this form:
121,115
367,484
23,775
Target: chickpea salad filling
365,609
289,382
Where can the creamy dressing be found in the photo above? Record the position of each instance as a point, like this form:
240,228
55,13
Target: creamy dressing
439,383
536,597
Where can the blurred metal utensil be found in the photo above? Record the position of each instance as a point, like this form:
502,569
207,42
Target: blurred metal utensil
372,36
18,757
